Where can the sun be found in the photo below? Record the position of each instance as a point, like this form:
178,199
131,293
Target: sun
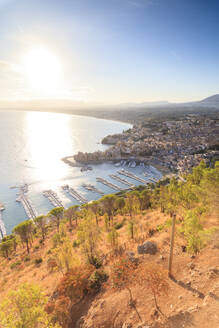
42,68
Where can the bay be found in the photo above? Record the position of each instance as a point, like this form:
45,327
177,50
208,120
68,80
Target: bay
31,147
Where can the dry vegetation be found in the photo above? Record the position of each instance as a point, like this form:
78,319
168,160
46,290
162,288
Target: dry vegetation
88,266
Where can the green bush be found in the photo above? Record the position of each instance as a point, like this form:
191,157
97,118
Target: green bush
76,243
38,260
27,258
97,278
95,261
15,264
119,225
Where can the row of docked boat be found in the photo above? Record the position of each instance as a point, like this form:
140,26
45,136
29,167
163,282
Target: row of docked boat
28,207
92,188
75,194
152,175
132,176
108,184
117,178
2,226
53,198
128,163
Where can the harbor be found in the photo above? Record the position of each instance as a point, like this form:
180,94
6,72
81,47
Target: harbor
108,184
92,188
53,198
24,200
2,226
88,186
117,178
132,176
73,193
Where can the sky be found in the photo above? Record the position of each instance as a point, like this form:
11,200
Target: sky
108,51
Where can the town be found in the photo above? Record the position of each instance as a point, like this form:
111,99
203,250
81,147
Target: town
174,144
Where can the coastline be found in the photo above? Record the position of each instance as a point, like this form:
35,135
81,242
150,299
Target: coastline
69,112
69,160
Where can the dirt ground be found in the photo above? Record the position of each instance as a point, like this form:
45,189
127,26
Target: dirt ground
192,301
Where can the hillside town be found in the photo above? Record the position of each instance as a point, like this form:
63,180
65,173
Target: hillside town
175,144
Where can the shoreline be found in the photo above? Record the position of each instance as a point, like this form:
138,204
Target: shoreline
69,160
68,113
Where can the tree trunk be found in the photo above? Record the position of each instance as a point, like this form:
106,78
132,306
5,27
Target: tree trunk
27,246
156,305
132,303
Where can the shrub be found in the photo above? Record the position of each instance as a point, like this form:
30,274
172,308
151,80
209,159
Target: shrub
38,260
155,279
52,264
95,261
76,243
119,225
97,278
15,264
27,259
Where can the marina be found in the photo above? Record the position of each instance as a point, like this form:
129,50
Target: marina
109,184
2,226
73,193
132,176
92,188
28,207
53,198
117,178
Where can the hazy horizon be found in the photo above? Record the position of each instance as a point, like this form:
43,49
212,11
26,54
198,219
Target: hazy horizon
107,52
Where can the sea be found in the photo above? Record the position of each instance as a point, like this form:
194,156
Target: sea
32,145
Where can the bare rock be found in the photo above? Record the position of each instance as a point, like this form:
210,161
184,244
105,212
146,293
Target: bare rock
142,325
127,325
212,272
131,257
191,266
193,308
148,247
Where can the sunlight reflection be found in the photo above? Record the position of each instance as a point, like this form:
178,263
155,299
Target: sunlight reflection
46,135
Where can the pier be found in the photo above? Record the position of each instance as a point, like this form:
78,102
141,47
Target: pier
152,180
53,198
28,207
132,176
92,188
74,194
109,184
115,177
2,226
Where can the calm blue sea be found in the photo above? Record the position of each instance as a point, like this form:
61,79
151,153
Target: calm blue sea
31,147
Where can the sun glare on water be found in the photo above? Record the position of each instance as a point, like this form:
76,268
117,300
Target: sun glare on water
42,69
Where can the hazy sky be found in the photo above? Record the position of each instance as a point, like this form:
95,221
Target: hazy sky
109,51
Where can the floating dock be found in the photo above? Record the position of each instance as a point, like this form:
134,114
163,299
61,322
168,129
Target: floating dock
92,188
117,178
24,200
2,226
109,184
132,176
53,198
74,194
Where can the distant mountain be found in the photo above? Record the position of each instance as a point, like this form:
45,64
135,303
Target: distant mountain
212,100
143,104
